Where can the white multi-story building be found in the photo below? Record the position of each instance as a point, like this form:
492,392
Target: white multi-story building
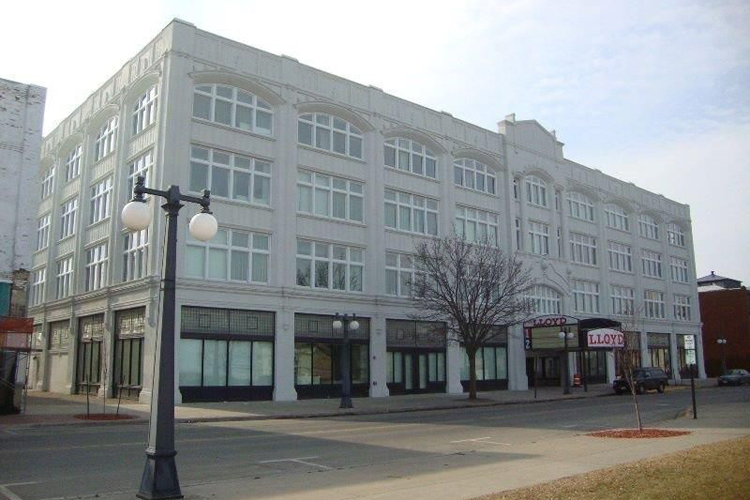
320,186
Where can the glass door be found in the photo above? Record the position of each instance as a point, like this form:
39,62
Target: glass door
408,372
422,371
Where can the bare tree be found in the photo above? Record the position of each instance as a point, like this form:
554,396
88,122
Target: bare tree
628,357
474,289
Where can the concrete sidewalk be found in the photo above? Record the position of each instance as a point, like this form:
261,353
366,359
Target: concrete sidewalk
44,408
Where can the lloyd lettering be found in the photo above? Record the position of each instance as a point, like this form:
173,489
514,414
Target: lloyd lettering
605,337
552,321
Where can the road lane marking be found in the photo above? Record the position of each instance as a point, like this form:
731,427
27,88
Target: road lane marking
480,440
301,460
9,494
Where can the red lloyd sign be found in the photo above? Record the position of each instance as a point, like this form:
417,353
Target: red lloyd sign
606,337
551,320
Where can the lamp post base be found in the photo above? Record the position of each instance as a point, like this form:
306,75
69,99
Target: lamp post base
159,481
346,402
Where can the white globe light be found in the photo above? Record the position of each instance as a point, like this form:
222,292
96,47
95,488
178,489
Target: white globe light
561,335
571,335
354,325
203,226
136,215
337,324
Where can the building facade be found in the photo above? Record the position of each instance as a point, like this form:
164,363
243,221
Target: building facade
320,186
725,313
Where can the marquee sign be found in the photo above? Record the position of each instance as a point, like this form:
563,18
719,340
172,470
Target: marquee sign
606,337
550,320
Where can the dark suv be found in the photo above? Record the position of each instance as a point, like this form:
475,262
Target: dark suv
644,379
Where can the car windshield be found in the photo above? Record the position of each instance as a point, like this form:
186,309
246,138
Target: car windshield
734,372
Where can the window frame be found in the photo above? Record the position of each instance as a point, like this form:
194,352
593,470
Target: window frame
230,250
538,237
97,259
622,296
545,300
617,217
73,163
101,193
651,264
581,206
135,255
682,307
675,235
314,257
536,191
68,216
37,286
258,169
620,257
48,182
43,229
256,105
106,140
585,296
481,218
477,169
412,149
144,110
64,277
653,304
584,249
315,186
648,227
351,133
430,207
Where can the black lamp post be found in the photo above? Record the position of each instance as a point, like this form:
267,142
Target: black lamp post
159,480
723,342
565,336
346,322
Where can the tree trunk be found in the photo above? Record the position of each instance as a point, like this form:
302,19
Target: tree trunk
633,392
472,373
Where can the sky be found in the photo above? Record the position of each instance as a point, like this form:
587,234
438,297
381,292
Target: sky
655,93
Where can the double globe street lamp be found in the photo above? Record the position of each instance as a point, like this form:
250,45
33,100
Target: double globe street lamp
348,323
159,480
566,336
723,342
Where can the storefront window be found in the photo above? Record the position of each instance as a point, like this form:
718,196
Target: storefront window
491,363
320,363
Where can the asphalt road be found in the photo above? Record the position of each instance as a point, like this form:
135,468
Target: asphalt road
287,457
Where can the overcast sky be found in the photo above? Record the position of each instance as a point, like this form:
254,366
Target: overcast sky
657,93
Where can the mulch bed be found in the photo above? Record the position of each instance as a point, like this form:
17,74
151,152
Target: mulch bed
104,416
636,434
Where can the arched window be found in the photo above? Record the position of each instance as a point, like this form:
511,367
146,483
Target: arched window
475,175
144,110
410,156
545,300
617,217
330,133
232,107
675,235
536,191
648,226
580,206
106,140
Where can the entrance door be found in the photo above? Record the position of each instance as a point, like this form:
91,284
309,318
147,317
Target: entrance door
88,368
415,370
408,372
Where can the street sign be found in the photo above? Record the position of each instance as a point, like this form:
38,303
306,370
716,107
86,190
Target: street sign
689,341
690,356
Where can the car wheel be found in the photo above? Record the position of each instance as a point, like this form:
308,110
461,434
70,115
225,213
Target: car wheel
661,387
640,389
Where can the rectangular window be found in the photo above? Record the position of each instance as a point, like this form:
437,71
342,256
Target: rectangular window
329,266
230,175
68,218
135,255
682,307
42,232
144,112
580,206
329,196
620,258
100,194
330,133
648,227
519,239
96,267
538,238
476,226
106,140
36,292
515,189
140,167
536,191
651,263
64,278
583,249
400,274
623,300
679,269
411,213
653,302
585,296
73,164
617,218
410,156
675,235
231,255
48,182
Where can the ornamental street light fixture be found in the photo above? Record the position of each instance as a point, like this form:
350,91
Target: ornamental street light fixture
723,342
566,336
159,480
347,323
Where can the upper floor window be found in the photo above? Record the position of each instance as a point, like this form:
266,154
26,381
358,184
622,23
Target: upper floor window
36,291
329,196
583,249
682,307
135,255
620,257
96,267
73,164
617,217
233,107
651,263
580,206
538,238
622,299
515,188
585,296
476,226
106,140
144,112
536,191
648,227
231,255
653,302
68,218
679,269
400,273
230,175
545,300
474,175
412,213
42,232
330,133
100,194
48,182
64,281
405,154
330,266
140,167
675,235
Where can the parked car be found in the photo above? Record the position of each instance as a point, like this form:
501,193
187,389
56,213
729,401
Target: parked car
645,379
737,376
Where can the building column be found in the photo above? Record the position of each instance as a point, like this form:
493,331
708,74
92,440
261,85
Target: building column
645,358
283,354
70,386
517,379
699,355
673,357
611,374
148,352
453,368
378,357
